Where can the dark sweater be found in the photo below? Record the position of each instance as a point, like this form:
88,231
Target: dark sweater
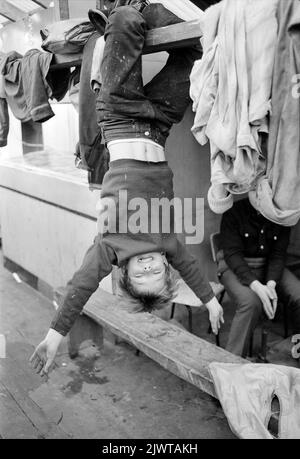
135,179
247,233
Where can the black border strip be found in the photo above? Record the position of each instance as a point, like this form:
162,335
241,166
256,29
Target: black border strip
80,214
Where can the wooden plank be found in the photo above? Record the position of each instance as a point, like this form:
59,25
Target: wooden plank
16,380
65,60
10,11
164,38
174,36
175,349
14,424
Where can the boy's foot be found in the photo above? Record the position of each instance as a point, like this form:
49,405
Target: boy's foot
99,18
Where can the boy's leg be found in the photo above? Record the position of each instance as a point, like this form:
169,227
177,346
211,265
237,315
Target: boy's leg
122,90
169,89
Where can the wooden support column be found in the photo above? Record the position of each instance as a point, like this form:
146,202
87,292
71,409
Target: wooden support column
61,10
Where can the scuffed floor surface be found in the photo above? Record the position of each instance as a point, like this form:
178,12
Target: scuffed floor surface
113,394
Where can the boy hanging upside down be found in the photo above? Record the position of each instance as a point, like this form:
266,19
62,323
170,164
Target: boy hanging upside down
135,122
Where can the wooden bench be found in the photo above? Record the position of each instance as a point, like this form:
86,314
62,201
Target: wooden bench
175,349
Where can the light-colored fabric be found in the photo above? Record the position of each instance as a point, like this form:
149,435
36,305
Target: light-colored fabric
184,9
137,149
231,88
217,204
96,79
277,195
246,392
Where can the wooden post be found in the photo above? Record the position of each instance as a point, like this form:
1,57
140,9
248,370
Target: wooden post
84,329
61,10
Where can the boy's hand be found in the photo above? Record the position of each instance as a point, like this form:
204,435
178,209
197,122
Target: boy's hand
215,315
44,354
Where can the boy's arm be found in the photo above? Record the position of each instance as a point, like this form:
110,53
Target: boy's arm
97,264
194,276
191,272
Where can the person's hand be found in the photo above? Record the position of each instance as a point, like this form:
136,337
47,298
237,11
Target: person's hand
215,315
266,296
271,284
44,354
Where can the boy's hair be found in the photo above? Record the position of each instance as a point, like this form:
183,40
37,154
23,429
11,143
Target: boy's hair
147,302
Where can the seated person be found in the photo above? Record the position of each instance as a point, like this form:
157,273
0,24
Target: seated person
290,295
253,271
135,123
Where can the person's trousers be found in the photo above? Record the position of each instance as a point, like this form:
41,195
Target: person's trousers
289,294
249,308
123,100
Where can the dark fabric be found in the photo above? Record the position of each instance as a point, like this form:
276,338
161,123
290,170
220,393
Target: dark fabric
246,233
66,37
165,98
26,85
96,265
94,157
146,181
4,122
58,79
124,129
249,309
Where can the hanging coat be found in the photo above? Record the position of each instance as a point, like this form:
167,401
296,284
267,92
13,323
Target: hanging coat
231,89
277,195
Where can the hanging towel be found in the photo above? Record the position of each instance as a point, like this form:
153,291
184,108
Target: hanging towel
231,89
4,116
277,195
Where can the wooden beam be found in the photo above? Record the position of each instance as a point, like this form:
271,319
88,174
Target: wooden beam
61,9
175,349
180,35
10,12
175,36
42,3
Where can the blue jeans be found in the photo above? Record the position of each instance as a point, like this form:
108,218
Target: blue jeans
125,107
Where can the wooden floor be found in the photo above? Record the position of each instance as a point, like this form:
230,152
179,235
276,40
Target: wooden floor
115,395
112,395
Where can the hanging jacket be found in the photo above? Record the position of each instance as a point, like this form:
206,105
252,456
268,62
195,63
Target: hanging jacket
231,88
4,116
29,85
93,153
277,195
246,392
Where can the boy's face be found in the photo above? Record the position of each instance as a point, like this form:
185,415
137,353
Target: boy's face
147,272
